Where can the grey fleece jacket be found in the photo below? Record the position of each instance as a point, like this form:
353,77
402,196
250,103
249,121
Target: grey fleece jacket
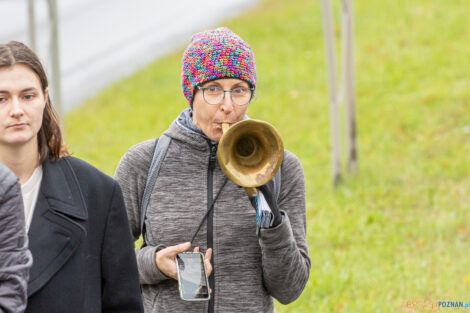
15,258
248,270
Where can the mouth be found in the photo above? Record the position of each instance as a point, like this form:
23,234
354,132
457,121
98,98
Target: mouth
219,124
17,125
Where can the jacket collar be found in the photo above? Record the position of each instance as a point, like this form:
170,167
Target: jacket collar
58,227
58,182
183,129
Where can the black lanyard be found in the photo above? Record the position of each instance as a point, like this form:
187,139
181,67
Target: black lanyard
209,210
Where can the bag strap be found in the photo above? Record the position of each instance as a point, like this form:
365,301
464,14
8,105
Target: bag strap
277,185
161,147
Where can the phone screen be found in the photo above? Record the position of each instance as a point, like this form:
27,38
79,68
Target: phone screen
192,276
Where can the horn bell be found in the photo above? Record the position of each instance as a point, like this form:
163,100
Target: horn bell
250,153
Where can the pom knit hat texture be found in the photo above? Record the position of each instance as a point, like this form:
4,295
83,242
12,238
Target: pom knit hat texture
215,54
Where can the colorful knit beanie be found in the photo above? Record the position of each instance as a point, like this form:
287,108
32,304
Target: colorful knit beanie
215,54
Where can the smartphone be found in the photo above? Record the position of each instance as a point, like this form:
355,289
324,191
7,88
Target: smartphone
192,276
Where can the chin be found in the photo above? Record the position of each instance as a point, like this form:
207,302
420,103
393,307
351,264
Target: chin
214,135
18,140
216,138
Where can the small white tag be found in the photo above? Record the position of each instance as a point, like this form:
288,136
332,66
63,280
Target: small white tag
263,205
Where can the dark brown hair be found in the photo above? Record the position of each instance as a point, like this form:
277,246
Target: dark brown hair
49,135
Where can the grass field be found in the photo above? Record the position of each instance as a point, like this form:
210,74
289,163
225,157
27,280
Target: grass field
400,229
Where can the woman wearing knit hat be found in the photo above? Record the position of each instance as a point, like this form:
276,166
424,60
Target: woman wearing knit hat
247,268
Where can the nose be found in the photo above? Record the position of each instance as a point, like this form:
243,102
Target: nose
16,109
227,105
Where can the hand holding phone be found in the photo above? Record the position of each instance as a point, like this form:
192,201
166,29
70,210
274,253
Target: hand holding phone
165,259
166,263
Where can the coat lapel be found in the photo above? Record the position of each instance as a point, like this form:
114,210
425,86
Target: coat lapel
57,227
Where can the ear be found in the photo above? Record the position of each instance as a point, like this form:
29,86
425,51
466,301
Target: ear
46,96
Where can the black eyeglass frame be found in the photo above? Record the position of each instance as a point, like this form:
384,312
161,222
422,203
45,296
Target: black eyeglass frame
223,97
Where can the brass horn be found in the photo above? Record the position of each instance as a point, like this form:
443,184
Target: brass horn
250,153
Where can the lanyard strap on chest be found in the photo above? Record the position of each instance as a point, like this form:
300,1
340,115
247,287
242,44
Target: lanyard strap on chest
209,210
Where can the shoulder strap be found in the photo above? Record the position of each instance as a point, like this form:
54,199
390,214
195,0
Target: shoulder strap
161,147
277,184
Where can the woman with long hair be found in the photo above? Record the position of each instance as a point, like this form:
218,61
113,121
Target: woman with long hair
83,254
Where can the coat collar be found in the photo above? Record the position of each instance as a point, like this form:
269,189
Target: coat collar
58,182
58,226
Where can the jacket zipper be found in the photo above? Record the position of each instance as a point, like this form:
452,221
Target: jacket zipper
210,239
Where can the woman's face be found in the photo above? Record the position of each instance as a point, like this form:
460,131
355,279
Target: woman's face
22,103
209,118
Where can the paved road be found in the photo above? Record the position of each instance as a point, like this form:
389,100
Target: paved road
102,41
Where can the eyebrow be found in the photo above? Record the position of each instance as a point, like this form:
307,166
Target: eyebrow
29,89
244,85
24,90
238,84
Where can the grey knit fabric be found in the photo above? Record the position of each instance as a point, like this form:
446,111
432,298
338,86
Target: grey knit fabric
15,258
249,270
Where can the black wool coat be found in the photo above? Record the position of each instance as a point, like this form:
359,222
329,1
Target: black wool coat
83,254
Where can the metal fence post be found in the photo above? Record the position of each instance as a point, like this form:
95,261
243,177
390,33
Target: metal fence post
32,25
55,57
347,36
335,125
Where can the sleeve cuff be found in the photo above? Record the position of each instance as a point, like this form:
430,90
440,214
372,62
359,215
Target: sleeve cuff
277,237
149,273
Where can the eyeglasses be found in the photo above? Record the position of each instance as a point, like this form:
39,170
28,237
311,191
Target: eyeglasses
213,95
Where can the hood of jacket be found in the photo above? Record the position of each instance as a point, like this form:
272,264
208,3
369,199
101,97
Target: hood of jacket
183,129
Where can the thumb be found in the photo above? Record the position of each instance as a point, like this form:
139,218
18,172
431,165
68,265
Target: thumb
182,247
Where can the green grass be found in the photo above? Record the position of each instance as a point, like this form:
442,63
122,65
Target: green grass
400,229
